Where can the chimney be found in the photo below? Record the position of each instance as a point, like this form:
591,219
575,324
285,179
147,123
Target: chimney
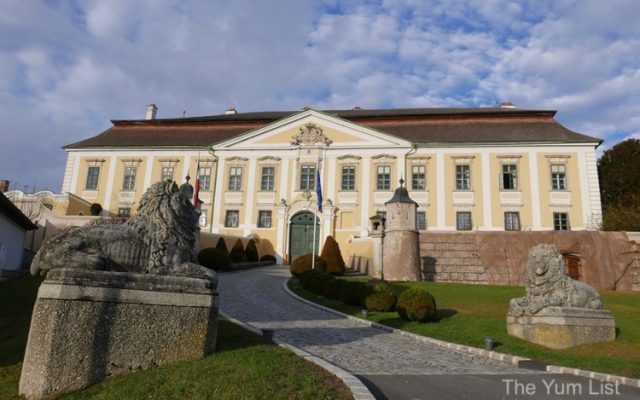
4,185
231,111
507,104
151,111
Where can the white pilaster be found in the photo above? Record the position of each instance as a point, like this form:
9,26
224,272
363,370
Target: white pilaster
217,203
441,195
281,213
148,171
486,191
535,190
365,192
284,179
76,171
595,216
249,221
185,171
331,184
110,179
68,173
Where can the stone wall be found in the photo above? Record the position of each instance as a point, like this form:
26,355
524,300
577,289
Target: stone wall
608,260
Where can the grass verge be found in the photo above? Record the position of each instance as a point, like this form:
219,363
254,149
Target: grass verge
468,313
242,368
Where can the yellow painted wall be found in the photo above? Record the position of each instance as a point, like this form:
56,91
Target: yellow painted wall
102,178
524,188
286,136
475,187
573,187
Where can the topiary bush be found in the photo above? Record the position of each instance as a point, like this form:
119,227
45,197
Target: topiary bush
222,246
317,283
238,255
416,305
331,288
215,259
379,297
303,263
95,209
307,277
268,257
351,292
252,251
332,256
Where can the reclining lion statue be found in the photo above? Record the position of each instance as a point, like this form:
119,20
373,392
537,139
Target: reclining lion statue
160,239
548,285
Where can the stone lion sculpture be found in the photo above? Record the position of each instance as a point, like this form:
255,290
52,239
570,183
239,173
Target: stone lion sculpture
548,285
160,239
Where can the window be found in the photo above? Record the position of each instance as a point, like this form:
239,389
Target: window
348,178
268,178
264,219
92,178
231,218
124,212
463,177
511,221
418,177
235,178
204,175
166,174
383,216
463,221
573,265
307,177
129,181
383,180
561,221
421,221
558,177
509,179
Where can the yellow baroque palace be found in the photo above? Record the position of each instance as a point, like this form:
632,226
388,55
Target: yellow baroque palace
476,169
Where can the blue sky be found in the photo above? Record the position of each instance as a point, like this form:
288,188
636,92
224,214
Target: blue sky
68,67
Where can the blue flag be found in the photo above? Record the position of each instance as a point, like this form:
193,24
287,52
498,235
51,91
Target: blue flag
318,190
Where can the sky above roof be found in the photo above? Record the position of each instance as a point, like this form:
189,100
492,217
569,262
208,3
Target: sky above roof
68,67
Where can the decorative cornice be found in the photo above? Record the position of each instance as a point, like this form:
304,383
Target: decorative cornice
310,134
419,158
269,158
349,156
384,156
557,158
236,158
95,162
131,162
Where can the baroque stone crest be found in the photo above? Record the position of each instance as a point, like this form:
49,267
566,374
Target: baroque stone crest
310,134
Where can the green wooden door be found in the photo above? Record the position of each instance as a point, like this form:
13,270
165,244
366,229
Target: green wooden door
301,235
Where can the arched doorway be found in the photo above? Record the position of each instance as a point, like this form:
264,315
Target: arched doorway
301,234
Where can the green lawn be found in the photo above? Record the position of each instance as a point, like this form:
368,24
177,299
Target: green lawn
242,368
468,313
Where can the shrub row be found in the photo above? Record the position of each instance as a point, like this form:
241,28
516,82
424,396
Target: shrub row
219,258
412,304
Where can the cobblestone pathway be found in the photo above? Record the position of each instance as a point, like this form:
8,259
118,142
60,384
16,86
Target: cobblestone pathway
256,297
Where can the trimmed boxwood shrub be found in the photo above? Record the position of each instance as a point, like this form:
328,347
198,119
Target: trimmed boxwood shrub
351,292
214,258
303,263
222,246
268,257
238,255
317,283
95,209
252,251
332,256
416,305
331,288
379,297
307,277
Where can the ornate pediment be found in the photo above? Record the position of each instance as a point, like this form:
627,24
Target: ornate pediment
310,134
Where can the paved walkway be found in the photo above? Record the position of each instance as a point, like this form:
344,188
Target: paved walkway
391,365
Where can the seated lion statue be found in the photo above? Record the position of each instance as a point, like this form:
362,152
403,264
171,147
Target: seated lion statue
160,239
548,285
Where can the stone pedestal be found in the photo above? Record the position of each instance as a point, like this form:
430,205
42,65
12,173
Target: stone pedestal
564,327
88,325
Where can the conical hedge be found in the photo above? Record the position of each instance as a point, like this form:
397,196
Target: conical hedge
332,256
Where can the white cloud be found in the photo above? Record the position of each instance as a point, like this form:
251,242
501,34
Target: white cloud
67,68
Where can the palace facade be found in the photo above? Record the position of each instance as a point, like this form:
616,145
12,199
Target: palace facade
478,169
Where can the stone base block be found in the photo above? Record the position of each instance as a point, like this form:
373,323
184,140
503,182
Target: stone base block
564,327
88,325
